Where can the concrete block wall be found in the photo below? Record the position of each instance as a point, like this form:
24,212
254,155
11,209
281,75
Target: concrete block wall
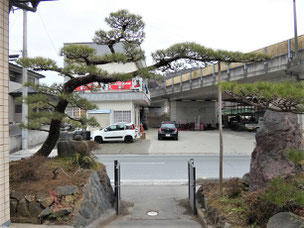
4,123
190,111
159,108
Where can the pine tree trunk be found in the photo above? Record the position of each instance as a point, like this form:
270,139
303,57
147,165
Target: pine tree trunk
51,140
54,131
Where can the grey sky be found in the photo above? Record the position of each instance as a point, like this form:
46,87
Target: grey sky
235,25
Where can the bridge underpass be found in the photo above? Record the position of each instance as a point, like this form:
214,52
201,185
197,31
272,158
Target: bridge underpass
193,95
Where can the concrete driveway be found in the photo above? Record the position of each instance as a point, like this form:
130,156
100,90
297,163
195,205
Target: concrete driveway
190,142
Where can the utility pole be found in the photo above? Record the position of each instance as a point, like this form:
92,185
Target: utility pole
300,116
220,126
295,30
24,88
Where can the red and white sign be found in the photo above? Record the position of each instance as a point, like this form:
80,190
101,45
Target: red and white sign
135,83
120,85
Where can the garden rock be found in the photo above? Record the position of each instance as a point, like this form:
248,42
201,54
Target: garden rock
13,206
279,132
22,208
285,220
46,201
98,198
61,213
34,209
45,212
16,195
71,148
30,198
66,190
245,179
69,199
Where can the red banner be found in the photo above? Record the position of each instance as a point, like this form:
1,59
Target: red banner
119,85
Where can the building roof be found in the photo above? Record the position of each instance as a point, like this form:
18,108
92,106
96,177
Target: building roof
18,92
18,69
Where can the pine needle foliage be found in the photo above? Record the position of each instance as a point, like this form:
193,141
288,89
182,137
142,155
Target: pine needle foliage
279,96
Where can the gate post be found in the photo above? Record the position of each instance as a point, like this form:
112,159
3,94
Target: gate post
192,185
117,186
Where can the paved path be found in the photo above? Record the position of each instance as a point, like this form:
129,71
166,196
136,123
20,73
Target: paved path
169,201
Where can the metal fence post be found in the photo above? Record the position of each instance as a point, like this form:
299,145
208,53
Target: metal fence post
192,185
194,191
117,186
189,179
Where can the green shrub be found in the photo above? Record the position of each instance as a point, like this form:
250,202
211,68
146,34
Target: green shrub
234,187
258,211
280,196
296,156
283,193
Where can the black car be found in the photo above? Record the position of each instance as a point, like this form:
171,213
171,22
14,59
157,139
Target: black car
168,130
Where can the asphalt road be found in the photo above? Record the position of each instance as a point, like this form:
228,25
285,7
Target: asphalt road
190,142
166,169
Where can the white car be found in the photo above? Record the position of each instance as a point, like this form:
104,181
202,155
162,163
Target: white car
116,132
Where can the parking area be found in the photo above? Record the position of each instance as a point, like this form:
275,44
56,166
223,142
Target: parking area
190,142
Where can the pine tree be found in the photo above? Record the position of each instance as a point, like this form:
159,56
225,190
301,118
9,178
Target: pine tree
82,68
275,96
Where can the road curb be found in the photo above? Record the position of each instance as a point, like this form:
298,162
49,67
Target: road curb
104,219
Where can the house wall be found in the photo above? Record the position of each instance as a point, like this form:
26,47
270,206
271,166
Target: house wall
119,68
11,108
120,106
4,121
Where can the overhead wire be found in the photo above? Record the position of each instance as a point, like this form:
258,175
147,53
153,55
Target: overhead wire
48,35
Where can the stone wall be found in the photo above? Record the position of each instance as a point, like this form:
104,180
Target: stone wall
97,201
4,123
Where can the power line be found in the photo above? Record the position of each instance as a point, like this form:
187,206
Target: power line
13,22
55,49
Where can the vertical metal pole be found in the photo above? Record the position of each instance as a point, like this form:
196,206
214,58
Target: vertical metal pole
220,128
24,88
119,195
289,50
116,187
194,191
189,179
295,30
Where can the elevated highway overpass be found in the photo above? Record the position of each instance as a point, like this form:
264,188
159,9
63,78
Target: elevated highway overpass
193,95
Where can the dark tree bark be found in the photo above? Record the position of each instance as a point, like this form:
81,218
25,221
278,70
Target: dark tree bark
54,131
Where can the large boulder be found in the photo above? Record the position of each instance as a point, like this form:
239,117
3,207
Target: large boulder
279,132
71,148
285,220
97,200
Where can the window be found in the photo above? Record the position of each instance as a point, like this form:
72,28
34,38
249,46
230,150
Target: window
120,127
112,128
18,108
122,116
